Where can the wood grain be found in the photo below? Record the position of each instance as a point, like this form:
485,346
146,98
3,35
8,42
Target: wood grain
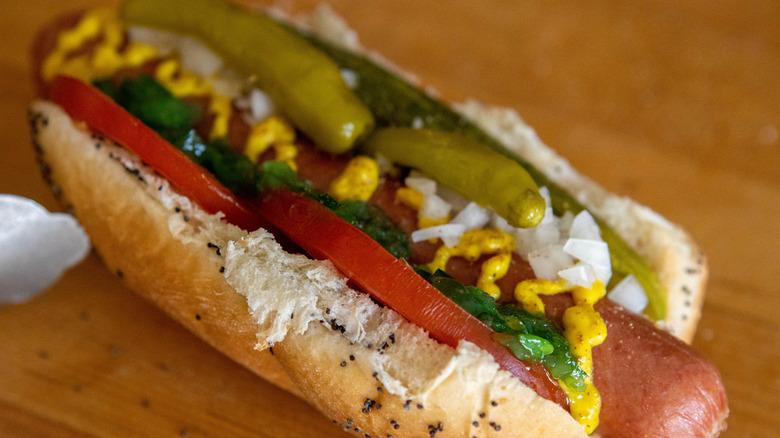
676,104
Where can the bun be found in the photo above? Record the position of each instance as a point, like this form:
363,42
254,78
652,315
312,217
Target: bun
159,243
170,252
295,322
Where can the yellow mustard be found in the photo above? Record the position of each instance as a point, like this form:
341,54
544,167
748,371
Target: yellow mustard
222,107
273,132
474,244
103,27
409,197
180,82
110,54
584,329
584,406
358,181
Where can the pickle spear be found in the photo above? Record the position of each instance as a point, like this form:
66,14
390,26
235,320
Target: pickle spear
468,167
395,102
305,83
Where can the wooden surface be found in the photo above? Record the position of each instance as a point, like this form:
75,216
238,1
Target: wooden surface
676,104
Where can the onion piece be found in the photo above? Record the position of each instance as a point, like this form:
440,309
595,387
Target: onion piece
579,275
472,217
260,106
198,58
457,201
629,294
585,227
549,216
548,261
592,252
424,185
433,207
350,77
448,233
163,41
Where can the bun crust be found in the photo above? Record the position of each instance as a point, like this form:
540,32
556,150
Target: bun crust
461,404
155,240
171,253
357,362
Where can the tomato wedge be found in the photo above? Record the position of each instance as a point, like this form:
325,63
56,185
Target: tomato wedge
391,281
88,104
314,228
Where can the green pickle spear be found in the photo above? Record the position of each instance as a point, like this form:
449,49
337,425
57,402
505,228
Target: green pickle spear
305,83
468,167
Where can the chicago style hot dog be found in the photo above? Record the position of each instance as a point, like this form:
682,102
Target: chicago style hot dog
409,269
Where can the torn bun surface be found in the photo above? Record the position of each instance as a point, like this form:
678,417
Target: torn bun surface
173,254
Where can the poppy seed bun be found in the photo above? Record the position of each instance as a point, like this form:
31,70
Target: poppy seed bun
172,253
356,361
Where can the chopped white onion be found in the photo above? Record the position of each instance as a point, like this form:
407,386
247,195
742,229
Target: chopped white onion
548,210
594,253
227,83
424,185
565,221
528,239
433,207
448,233
579,275
453,198
350,77
501,223
589,251
524,242
451,241
629,294
39,247
584,227
165,42
472,217
547,234
259,104
548,261
198,58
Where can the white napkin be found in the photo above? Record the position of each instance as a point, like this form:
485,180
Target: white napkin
36,247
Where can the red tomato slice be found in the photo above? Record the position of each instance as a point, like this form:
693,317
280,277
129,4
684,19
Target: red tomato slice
391,281
88,104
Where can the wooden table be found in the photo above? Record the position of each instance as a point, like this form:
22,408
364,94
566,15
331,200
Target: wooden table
676,104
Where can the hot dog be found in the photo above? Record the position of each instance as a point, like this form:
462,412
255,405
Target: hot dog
194,252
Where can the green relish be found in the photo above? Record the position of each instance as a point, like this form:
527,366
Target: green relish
531,337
